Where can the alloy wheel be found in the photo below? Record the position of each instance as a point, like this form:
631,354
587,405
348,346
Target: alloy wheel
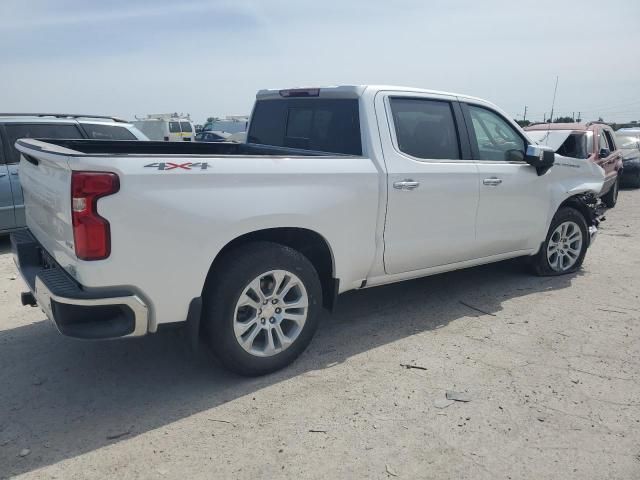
270,313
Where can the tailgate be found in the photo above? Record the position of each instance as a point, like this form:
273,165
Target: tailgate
45,176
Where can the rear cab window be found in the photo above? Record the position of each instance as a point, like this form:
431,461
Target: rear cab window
319,124
37,130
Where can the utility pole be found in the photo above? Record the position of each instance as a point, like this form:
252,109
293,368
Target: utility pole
579,116
573,116
544,120
524,117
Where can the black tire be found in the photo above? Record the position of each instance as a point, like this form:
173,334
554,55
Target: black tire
232,275
633,181
540,261
611,197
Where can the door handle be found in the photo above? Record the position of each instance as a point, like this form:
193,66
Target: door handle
407,184
492,182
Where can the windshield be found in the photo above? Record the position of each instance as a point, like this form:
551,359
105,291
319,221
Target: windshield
567,143
229,126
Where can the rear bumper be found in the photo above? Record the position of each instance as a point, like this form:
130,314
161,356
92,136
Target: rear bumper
75,310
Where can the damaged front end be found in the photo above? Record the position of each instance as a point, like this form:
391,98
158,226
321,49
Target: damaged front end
593,210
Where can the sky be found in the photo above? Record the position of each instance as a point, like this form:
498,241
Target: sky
210,57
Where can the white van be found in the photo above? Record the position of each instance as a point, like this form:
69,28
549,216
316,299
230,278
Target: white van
167,127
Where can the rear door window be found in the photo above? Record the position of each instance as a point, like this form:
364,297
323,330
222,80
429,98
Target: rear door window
325,125
174,127
425,128
186,127
107,132
38,130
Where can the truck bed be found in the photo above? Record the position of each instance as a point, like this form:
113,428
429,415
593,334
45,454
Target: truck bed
136,147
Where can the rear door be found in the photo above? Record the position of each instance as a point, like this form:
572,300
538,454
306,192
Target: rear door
13,132
432,183
7,218
513,205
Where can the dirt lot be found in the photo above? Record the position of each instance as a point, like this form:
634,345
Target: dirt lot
551,369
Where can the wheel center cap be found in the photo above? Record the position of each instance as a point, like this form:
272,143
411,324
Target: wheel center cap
268,311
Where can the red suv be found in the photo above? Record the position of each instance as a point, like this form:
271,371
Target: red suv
593,140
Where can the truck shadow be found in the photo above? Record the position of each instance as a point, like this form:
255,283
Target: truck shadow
5,244
62,398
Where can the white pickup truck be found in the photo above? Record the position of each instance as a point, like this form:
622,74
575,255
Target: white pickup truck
336,189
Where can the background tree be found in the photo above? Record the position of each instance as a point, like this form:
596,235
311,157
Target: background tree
563,120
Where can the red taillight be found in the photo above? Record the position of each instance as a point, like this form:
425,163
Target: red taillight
91,233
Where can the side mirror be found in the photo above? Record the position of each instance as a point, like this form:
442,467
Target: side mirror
604,152
540,157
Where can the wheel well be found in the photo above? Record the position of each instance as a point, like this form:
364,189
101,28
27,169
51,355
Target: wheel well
309,243
579,203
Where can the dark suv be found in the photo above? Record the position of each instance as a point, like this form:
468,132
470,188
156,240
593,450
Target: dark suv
593,140
14,126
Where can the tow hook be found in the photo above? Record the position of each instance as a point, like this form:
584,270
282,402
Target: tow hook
27,298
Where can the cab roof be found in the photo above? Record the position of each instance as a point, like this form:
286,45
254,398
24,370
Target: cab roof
354,91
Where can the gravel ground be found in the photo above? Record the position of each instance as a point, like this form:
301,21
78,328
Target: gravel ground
550,366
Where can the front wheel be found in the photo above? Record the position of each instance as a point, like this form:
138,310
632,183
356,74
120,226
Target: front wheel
261,307
566,244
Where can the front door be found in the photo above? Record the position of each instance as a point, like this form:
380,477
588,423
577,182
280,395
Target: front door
432,185
513,207
607,157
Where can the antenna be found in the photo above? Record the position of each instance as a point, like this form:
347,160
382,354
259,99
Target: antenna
555,90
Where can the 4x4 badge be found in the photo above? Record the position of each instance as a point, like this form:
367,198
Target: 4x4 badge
178,166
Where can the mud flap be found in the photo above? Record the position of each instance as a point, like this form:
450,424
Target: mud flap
193,323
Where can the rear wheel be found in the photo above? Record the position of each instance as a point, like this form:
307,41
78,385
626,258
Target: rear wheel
566,244
261,307
611,197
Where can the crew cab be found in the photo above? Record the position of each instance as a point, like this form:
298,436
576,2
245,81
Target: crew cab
51,125
335,189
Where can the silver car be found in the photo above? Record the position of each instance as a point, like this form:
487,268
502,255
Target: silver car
46,125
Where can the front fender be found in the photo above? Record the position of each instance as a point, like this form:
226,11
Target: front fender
575,182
